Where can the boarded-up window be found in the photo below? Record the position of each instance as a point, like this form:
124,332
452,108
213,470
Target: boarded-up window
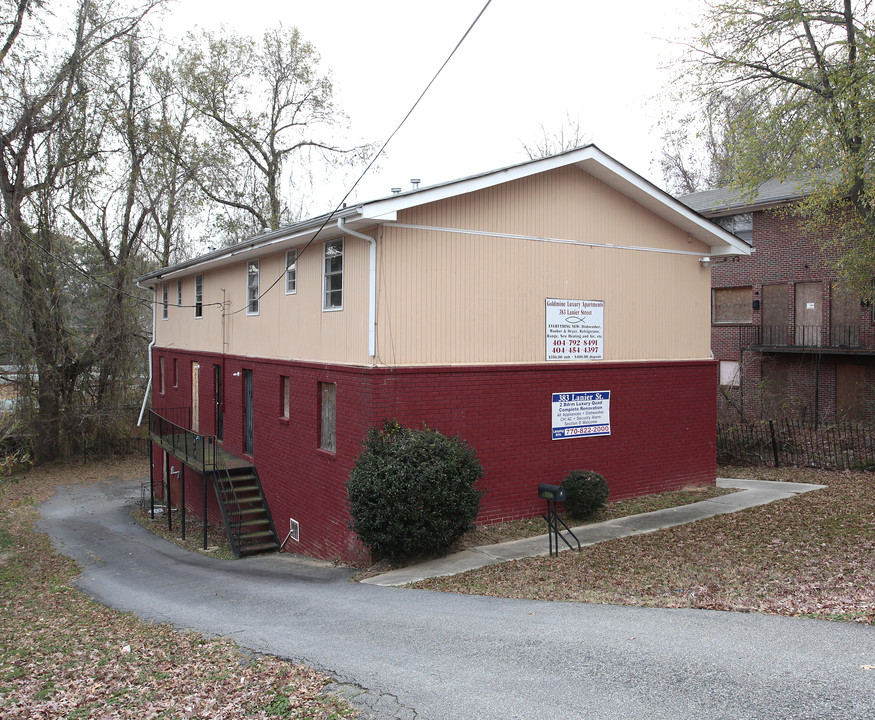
775,314
851,392
732,305
844,314
328,425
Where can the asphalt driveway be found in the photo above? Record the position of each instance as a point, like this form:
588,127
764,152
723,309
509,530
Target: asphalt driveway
419,654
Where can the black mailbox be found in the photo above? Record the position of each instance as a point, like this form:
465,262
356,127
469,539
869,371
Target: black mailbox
551,492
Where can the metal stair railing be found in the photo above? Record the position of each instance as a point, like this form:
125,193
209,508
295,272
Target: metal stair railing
232,512
202,452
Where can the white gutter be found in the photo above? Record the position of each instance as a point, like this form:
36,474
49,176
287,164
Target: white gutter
372,284
149,351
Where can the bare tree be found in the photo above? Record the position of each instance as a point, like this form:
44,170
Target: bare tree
265,106
43,87
568,136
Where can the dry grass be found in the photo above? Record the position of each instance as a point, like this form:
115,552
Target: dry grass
813,555
62,655
532,527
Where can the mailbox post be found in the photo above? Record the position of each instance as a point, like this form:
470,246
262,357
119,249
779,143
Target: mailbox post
555,494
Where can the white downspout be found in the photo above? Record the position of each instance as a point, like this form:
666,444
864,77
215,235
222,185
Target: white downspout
372,284
149,351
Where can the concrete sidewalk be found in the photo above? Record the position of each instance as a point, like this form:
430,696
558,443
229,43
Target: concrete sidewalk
752,493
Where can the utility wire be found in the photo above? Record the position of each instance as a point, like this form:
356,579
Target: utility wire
379,152
73,266
329,217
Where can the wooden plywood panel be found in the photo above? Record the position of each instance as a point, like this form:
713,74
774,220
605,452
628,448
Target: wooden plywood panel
809,313
775,314
851,392
844,317
733,305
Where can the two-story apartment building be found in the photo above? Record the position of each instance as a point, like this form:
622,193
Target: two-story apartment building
554,314
791,339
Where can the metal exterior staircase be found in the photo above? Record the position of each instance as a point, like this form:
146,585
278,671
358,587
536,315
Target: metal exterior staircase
244,510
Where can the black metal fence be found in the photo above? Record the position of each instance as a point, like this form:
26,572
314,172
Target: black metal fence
844,446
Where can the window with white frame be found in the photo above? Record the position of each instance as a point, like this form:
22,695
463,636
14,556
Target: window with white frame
332,280
730,373
291,272
165,288
252,287
198,296
179,292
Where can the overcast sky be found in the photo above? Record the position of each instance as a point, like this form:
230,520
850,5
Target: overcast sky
527,63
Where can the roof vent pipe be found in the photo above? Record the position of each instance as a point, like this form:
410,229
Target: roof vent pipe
415,182
396,191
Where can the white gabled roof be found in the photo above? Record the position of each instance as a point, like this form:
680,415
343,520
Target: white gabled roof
588,158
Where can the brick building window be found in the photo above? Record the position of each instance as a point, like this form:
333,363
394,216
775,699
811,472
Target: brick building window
165,289
732,305
328,417
161,374
739,225
179,292
175,373
730,375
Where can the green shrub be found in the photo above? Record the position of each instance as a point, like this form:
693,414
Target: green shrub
585,492
412,492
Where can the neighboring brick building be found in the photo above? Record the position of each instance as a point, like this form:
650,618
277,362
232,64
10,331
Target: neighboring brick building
790,339
553,314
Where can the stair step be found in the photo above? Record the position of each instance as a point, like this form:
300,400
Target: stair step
255,534
245,510
258,547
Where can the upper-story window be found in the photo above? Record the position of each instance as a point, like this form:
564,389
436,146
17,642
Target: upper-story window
179,292
252,287
740,225
332,281
291,272
165,289
198,296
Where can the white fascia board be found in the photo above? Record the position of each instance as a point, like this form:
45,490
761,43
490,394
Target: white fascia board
592,161
286,238
620,178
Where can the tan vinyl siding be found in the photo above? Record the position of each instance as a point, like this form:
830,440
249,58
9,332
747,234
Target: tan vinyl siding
287,326
453,298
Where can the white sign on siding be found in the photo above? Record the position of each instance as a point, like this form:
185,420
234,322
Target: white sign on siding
575,329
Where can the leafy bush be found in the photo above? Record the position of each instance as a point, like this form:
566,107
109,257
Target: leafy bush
585,492
411,492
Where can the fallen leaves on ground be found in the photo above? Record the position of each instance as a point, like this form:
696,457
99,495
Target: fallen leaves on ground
63,655
811,555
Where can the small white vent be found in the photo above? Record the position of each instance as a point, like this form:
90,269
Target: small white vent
294,530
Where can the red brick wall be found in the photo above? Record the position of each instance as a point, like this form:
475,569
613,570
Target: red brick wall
663,418
784,252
